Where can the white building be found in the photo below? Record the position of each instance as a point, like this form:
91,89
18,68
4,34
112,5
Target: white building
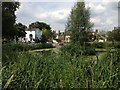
67,38
33,33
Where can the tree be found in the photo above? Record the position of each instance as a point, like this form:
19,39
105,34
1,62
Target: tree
46,30
78,27
20,30
8,19
110,37
79,24
114,35
40,25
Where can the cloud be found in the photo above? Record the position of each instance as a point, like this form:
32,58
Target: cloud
47,0
50,13
57,14
104,14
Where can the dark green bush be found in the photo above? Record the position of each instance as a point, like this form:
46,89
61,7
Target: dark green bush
99,44
19,47
106,44
72,49
13,47
10,50
47,45
90,50
25,47
77,49
116,44
42,46
109,44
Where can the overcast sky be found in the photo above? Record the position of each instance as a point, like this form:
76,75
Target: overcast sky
104,14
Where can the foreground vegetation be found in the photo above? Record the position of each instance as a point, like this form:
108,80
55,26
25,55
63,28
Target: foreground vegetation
24,70
72,67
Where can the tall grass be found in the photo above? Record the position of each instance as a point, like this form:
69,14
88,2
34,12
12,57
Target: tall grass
37,70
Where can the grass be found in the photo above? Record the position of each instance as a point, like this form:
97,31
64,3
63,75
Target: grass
40,50
48,70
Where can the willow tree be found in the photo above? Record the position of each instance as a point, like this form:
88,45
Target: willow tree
79,24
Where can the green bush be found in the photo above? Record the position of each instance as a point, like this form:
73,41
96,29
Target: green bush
99,44
90,50
47,45
25,47
116,44
77,49
106,44
41,46
9,49
109,44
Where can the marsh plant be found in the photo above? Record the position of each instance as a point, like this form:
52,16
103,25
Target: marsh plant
38,70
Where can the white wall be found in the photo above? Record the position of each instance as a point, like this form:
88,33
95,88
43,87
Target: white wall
28,33
67,38
38,33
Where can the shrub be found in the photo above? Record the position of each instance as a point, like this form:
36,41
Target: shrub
90,50
106,44
116,44
25,47
9,49
47,45
99,44
77,49
109,44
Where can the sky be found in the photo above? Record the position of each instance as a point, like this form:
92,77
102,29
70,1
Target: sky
104,13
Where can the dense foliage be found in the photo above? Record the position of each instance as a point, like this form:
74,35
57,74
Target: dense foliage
47,33
9,49
20,30
70,67
78,27
114,35
106,44
77,50
8,19
79,23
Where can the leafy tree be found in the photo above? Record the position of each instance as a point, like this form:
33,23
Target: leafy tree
110,36
20,30
46,30
40,25
114,35
8,19
79,23
78,27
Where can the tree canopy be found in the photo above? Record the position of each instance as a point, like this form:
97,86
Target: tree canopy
8,19
114,35
46,30
40,25
79,23
20,30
